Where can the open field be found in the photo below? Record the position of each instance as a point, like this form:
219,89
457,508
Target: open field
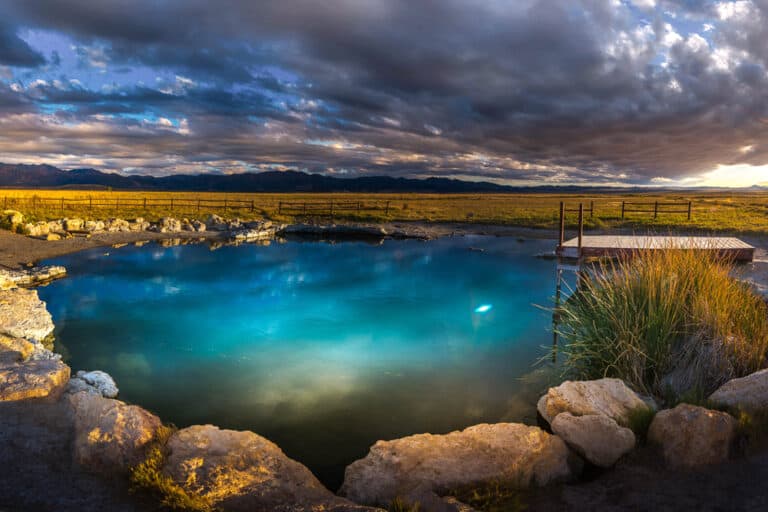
738,212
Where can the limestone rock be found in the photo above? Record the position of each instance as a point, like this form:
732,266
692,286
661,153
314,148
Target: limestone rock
30,277
242,471
73,224
110,435
609,397
23,315
426,463
216,223
692,436
198,226
169,225
94,226
748,393
53,237
22,348
597,438
38,229
101,381
12,217
33,379
116,225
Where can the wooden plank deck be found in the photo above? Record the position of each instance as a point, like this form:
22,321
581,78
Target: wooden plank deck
594,246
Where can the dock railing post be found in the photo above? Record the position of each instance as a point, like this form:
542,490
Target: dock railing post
562,226
689,210
581,226
622,210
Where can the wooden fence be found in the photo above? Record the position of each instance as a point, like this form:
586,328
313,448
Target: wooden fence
330,208
656,208
127,203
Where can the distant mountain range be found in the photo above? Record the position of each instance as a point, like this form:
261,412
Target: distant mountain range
50,177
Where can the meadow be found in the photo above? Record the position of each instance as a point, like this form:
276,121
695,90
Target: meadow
736,212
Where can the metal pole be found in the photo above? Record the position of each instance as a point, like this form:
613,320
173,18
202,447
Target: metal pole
562,225
581,226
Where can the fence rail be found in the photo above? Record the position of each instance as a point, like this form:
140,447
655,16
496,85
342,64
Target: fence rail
656,208
330,208
118,203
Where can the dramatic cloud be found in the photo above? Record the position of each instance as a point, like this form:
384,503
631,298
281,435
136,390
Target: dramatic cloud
561,91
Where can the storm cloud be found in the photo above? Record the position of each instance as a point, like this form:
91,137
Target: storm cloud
531,91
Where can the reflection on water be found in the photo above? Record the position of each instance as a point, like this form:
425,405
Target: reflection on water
323,348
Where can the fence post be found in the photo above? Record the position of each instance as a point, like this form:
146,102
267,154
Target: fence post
5,202
655,209
386,210
358,207
622,210
581,226
198,205
305,208
252,205
280,208
331,208
145,204
562,225
689,210
62,205
591,209
225,205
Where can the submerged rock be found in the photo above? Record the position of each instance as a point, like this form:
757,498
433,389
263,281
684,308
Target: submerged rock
597,438
33,379
607,397
110,435
424,465
23,315
749,394
691,436
101,381
242,471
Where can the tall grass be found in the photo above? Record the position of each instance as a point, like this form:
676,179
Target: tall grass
668,322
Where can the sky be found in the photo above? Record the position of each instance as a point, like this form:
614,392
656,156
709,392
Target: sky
589,92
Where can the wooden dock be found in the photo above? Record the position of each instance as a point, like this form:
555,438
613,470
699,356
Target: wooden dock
613,246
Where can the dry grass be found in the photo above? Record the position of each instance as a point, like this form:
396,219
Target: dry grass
667,322
742,212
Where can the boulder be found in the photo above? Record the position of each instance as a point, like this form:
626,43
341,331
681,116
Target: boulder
38,229
101,381
53,237
117,225
94,226
55,225
749,394
30,277
23,315
12,217
427,464
169,225
198,226
20,348
242,471
691,436
33,379
73,224
597,438
608,397
216,223
138,224
253,234
110,436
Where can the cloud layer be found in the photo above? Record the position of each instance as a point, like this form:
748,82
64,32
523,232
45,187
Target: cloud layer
556,91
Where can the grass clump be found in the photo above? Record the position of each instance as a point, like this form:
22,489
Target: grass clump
493,496
149,476
666,322
400,505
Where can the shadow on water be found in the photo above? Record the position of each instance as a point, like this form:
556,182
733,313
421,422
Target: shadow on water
322,348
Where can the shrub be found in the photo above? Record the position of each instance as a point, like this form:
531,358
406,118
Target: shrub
148,475
665,321
495,496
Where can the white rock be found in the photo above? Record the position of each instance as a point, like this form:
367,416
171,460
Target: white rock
73,224
597,438
609,397
24,315
13,217
749,393
100,380
413,466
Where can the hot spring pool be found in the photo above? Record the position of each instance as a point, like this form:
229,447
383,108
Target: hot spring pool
322,348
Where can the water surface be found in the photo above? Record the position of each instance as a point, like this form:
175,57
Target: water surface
322,348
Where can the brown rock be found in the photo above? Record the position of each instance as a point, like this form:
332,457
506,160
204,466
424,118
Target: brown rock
417,465
33,379
692,436
110,435
19,348
748,393
242,471
597,438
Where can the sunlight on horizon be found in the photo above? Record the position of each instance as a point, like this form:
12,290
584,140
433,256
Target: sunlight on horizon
740,175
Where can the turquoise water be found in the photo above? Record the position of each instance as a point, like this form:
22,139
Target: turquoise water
323,348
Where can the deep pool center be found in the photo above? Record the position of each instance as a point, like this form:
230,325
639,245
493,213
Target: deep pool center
323,348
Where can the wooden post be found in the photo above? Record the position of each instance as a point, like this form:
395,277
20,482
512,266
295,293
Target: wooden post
358,207
562,225
331,208
225,205
198,205
622,210
280,208
591,209
117,203
90,202
386,210
581,226
171,204
655,209
62,205
252,205
145,204
305,208
689,210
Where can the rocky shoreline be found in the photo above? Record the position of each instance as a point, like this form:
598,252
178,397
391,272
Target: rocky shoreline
588,424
